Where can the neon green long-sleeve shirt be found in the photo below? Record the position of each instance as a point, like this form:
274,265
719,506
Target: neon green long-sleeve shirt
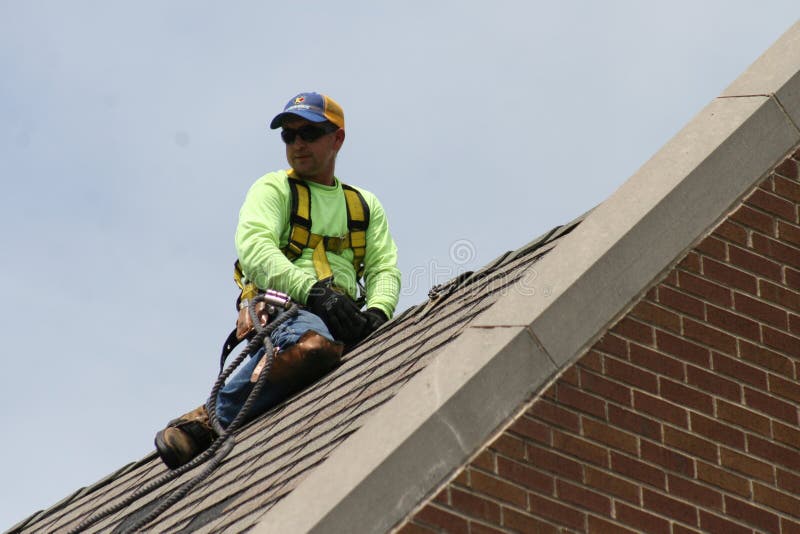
263,231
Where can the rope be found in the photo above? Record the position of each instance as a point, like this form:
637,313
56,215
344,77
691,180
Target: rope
225,441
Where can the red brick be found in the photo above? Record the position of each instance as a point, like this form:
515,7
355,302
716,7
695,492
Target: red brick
755,263
413,528
630,374
660,409
690,443
770,405
569,376
557,512
671,278
732,232
680,529
580,448
713,383
556,415
794,324
711,291
510,446
789,233
478,528
520,522
583,498
787,189
667,506
525,476
728,276
443,497
607,389
610,436
641,520
760,311
592,360
789,435
711,246
650,359
681,302
526,427
685,396
602,526
695,493
783,342
683,349
486,460
717,431
792,278
581,401
788,169
739,370
714,523
747,465
634,330
754,219
474,506
733,323
634,422
709,336
752,515
789,481
656,316
723,479
789,526
666,458
774,453
690,262
497,488
772,204
611,344
777,500
776,250
614,485
733,413
637,470
548,460
437,517
764,357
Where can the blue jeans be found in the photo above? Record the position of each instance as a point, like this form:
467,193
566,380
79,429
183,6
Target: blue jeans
234,393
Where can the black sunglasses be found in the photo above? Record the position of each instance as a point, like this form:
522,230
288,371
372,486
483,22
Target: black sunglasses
308,133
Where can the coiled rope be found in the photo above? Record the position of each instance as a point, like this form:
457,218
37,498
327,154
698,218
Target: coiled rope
225,441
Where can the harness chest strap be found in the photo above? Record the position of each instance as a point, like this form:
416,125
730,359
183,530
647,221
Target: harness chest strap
301,237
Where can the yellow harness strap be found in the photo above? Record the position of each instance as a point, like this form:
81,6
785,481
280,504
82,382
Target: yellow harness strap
301,237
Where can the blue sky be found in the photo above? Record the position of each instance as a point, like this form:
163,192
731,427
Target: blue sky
130,132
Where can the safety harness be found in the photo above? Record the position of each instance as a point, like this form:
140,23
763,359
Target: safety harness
301,238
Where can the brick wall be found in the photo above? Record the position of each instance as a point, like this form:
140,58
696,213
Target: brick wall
682,418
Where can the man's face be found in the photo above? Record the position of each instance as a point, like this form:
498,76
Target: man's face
313,160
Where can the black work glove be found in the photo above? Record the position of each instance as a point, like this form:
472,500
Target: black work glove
375,318
338,311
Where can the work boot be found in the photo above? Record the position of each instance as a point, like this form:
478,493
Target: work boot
307,360
185,438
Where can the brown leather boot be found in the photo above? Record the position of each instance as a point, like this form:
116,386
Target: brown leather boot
184,438
307,360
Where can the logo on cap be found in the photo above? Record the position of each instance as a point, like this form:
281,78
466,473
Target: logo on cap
299,99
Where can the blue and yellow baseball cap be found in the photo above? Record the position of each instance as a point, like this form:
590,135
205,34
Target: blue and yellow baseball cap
313,107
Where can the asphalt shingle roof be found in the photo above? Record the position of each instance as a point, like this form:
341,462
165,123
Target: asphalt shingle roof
274,453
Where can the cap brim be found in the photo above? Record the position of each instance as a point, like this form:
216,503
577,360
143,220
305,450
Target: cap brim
302,113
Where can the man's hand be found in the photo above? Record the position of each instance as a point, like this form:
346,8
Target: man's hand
375,318
244,323
338,311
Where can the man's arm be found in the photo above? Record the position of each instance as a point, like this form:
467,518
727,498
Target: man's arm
381,275
263,218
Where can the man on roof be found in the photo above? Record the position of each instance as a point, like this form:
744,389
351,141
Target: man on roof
302,232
